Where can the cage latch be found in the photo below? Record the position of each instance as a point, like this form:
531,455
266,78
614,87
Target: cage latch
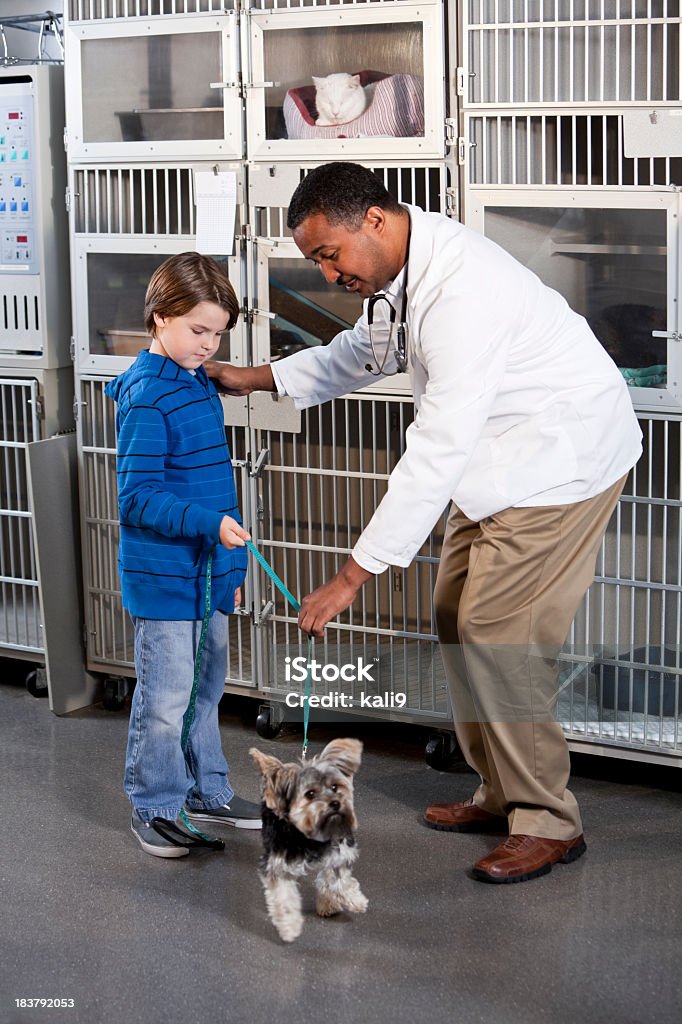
224,85
39,405
260,464
266,613
253,312
462,76
462,147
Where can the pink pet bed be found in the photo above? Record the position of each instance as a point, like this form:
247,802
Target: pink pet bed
395,110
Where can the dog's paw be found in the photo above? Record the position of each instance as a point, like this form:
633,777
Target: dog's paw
353,897
289,931
356,903
328,904
287,919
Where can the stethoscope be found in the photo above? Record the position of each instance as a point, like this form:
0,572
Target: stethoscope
400,350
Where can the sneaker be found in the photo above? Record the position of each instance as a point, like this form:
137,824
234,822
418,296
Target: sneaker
154,842
239,813
162,838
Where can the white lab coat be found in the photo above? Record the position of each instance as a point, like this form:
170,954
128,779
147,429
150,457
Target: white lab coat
517,403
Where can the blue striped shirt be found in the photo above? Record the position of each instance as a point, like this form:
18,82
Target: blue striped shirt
175,484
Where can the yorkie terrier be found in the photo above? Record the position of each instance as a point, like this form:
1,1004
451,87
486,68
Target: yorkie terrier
309,824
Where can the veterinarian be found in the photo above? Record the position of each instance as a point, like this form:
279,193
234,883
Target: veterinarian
524,421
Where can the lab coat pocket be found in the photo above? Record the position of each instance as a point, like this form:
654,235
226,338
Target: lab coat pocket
532,457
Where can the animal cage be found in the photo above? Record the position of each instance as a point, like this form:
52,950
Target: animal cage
319,486
614,257
182,84
20,617
146,89
289,305
577,52
558,137
620,689
396,49
40,610
575,151
624,656
570,160
126,220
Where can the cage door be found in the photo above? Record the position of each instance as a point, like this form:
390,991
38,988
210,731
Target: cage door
146,89
387,96
294,309
614,257
109,306
21,615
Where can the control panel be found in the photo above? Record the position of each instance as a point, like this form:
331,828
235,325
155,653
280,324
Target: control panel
17,168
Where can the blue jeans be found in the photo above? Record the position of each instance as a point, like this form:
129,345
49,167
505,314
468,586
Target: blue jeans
158,777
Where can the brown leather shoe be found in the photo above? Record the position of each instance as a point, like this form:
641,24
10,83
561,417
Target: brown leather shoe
464,816
519,858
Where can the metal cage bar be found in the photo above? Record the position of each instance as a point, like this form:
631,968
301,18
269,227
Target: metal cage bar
118,10
624,654
133,200
20,617
319,487
623,660
572,51
425,185
559,149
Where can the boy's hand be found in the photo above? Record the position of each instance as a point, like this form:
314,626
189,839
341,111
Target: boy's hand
232,535
237,597
239,380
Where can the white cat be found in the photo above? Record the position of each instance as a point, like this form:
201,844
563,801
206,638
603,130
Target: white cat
339,98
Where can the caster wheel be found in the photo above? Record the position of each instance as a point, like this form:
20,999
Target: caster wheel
441,752
36,682
266,726
115,693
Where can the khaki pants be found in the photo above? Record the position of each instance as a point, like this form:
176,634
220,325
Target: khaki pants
507,591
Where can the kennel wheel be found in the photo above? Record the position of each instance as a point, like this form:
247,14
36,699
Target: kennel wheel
441,752
36,682
115,693
266,726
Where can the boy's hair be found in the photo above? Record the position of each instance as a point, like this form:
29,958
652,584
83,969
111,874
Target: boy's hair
343,192
182,282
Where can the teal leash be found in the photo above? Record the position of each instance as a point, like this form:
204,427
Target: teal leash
212,841
202,837
297,607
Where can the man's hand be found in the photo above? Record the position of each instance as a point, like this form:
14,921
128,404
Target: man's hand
237,597
232,535
331,598
240,380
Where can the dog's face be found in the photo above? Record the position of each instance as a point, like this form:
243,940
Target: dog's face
316,797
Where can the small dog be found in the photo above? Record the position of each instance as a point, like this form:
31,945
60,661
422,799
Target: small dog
309,823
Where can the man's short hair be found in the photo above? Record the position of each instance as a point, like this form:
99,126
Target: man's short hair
343,192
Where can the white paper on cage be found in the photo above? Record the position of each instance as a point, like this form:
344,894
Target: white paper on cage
215,195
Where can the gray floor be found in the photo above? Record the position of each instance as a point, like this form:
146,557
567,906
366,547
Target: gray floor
88,916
